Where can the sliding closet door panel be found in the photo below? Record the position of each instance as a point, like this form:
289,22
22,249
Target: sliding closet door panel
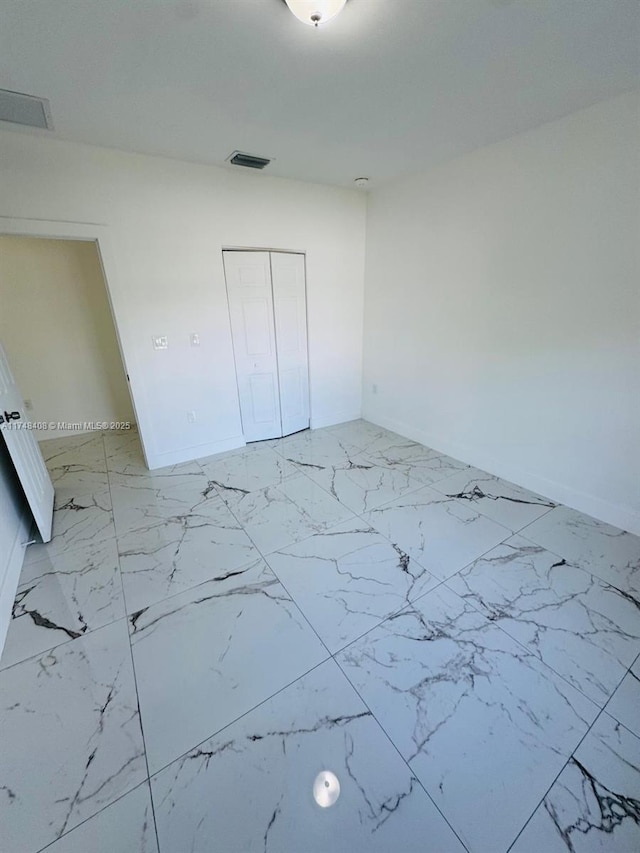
290,310
248,278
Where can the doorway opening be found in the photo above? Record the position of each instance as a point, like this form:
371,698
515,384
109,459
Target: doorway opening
59,334
267,298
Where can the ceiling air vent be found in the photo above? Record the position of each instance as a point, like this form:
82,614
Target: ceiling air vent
248,160
25,109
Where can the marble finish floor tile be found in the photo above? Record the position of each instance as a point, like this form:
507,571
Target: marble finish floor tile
425,464
135,496
273,755
608,552
594,806
280,515
126,826
174,532
586,630
123,453
464,646
78,522
70,737
484,726
174,545
624,705
222,648
361,485
362,434
77,465
504,502
72,454
440,533
61,598
347,579
316,448
239,472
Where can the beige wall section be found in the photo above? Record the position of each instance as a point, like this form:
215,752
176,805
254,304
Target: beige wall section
57,328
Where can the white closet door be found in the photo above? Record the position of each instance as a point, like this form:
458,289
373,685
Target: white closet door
290,310
25,452
248,277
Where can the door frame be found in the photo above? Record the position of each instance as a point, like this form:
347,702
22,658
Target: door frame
306,317
100,235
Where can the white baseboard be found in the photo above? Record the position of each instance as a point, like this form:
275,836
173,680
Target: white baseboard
11,575
619,516
336,418
198,451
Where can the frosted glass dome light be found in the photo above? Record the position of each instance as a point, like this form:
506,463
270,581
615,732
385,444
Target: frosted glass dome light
315,12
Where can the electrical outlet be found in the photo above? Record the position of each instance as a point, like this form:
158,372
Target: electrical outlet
191,417
160,342
28,406
195,339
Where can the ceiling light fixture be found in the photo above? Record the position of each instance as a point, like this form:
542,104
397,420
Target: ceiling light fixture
315,12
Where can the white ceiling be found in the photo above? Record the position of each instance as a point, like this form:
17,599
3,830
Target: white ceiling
389,87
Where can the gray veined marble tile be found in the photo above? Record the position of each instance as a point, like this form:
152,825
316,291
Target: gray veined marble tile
365,435
586,630
135,495
76,465
347,579
485,727
360,484
63,597
81,522
239,472
440,533
174,546
70,738
273,755
426,465
126,826
123,451
624,705
83,452
280,515
223,648
610,553
498,499
316,448
594,806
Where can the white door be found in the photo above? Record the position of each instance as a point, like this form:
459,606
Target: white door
248,277
24,451
290,312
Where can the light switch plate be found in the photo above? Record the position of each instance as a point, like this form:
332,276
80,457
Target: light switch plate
160,342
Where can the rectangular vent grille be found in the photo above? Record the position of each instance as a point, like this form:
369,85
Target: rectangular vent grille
248,160
25,109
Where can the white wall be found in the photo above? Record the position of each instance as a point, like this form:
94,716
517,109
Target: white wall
57,330
502,313
168,222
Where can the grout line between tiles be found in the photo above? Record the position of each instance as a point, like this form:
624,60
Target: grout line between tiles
403,759
51,844
333,655
236,719
133,668
575,564
602,711
542,799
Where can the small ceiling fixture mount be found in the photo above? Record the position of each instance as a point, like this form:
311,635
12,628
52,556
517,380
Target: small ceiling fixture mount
361,183
315,12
